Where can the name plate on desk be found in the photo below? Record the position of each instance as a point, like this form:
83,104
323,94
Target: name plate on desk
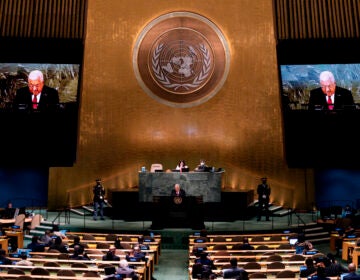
205,184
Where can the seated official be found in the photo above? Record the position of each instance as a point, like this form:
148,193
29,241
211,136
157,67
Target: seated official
79,253
178,191
202,167
234,271
35,245
125,271
9,212
110,255
182,167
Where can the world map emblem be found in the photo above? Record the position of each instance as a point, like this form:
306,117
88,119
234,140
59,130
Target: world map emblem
181,59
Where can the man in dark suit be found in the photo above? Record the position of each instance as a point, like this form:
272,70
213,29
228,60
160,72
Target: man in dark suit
352,273
99,199
177,191
36,96
329,96
263,191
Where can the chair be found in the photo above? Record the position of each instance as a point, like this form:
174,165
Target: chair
39,271
276,265
252,265
16,271
257,238
126,238
94,252
156,166
53,251
111,237
257,275
63,256
66,272
221,247
284,246
222,254
88,237
24,277
19,221
285,274
51,264
262,247
91,274
102,245
237,239
297,258
276,238
219,239
79,265
274,258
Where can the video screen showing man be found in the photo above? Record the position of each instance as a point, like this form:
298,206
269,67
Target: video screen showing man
36,95
329,96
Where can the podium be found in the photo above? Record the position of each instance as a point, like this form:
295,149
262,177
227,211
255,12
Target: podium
177,212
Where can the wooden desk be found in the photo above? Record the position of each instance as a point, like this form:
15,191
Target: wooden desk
347,249
4,244
355,256
19,237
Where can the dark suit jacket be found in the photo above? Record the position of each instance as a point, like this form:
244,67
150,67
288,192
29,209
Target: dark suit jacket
343,97
352,276
48,99
181,194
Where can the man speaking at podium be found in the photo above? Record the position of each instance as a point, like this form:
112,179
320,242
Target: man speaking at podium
177,191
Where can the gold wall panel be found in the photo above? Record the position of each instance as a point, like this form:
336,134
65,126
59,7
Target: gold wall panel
122,128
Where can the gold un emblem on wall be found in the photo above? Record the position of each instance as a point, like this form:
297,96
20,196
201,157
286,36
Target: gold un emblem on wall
181,59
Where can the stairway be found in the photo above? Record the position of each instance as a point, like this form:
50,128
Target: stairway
314,233
276,210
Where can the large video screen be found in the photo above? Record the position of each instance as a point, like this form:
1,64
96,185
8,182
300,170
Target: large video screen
297,81
320,132
39,101
64,78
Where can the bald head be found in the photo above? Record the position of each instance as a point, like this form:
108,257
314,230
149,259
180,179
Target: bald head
352,267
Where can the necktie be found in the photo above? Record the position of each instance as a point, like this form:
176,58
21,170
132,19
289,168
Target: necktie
35,103
330,104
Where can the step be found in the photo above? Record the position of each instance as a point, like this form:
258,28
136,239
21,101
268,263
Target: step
37,232
78,212
275,208
43,227
283,212
88,208
313,229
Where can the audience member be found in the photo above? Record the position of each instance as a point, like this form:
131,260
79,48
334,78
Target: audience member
79,253
35,245
234,271
24,260
246,245
352,273
136,255
77,242
309,270
3,258
46,238
203,266
58,245
125,271
110,254
320,273
333,268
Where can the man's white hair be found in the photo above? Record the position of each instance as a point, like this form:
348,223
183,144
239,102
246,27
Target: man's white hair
123,263
327,76
36,74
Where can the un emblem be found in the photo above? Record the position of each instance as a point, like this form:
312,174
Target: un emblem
181,59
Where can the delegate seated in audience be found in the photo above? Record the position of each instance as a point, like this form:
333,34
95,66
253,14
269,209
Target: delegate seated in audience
46,238
79,253
320,273
35,245
56,231
246,245
203,266
352,273
234,271
110,255
59,245
333,268
77,242
135,255
125,271
24,261
309,270
3,258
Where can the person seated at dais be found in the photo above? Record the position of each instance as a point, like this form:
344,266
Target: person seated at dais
182,166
